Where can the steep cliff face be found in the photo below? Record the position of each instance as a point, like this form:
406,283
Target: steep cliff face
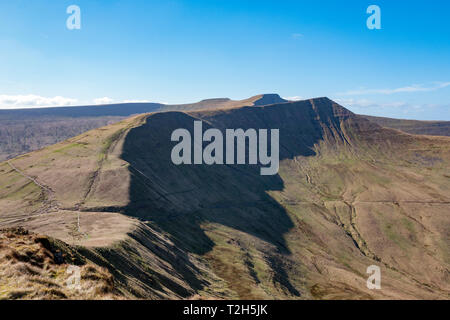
348,194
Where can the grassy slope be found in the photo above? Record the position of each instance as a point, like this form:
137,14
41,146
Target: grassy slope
349,194
86,171
35,267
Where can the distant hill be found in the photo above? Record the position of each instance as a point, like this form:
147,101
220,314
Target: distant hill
25,130
349,194
434,128
128,109
225,103
111,110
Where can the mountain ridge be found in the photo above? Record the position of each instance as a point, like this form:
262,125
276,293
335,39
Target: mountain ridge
309,232
25,130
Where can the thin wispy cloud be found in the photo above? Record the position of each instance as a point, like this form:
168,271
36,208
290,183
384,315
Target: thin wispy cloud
33,101
135,101
294,98
407,89
365,103
397,109
27,101
104,100
107,100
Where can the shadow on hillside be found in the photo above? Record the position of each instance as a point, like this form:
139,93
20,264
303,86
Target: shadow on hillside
179,199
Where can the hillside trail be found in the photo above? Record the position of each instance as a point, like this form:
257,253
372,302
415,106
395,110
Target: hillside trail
112,141
49,203
49,200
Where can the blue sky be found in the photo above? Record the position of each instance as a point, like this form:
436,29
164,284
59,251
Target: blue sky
184,51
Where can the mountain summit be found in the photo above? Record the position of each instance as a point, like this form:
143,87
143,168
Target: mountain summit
270,98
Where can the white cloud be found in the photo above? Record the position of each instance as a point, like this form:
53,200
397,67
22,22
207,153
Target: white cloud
33,101
104,100
135,101
397,109
407,89
36,101
297,35
294,98
365,103
107,100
